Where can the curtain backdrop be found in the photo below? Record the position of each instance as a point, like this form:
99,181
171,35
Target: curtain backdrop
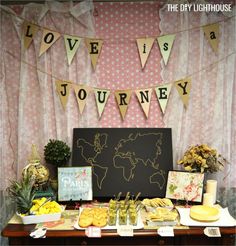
211,114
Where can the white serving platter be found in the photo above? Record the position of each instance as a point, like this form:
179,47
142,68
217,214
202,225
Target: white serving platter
225,219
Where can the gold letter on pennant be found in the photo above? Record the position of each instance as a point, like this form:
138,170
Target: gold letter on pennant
81,93
48,39
165,44
144,48
183,86
212,35
163,92
101,96
123,99
94,47
144,98
29,31
72,44
63,90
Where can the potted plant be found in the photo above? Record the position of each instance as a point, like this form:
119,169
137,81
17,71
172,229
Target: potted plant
56,153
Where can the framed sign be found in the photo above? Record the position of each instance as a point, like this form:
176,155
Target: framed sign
75,183
125,159
185,186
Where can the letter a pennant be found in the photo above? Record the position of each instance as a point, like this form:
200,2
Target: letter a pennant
48,39
29,31
165,44
144,98
123,99
163,92
63,90
144,48
101,96
212,35
183,86
72,44
94,47
81,93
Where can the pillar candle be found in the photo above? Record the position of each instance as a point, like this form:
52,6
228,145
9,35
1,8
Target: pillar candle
211,187
207,199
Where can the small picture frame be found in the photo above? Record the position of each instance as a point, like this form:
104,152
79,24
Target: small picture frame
185,186
75,183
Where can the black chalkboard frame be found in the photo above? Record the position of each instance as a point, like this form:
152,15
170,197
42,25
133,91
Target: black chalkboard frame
112,185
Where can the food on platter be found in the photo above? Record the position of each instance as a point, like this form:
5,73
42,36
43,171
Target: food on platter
93,216
204,213
44,206
162,214
157,202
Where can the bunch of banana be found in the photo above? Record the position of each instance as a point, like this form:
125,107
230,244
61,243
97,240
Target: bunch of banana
162,214
157,202
43,206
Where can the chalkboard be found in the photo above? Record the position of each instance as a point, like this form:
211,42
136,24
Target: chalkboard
75,183
125,159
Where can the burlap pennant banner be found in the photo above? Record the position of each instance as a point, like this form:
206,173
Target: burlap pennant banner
81,93
72,44
29,31
165,44
63,90
48,39
183,87
101,97
212,35
144,98
94,47
163,93
144,48
123,99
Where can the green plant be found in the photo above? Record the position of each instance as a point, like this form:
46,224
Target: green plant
57,152
22,193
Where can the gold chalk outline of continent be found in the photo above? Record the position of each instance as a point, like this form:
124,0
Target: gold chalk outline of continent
96,146
132,137
161,173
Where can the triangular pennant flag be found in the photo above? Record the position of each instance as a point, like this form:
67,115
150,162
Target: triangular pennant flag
144,98
72,44
165,44
212,35
94,48
63,90
144,48
123,99
29,31
183,86
81,93
163,92
48,39
101,96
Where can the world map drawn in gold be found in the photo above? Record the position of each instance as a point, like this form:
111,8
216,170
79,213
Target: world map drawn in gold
126,156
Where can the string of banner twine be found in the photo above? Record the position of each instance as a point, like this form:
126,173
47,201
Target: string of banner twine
92,87
130,39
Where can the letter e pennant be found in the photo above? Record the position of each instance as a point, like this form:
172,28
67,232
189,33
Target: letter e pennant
29,31
163,92
144,48
123,99
212,35
144,98
94,47
63,90
81,93
183,86
101,96
72,44
165,44
48,39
